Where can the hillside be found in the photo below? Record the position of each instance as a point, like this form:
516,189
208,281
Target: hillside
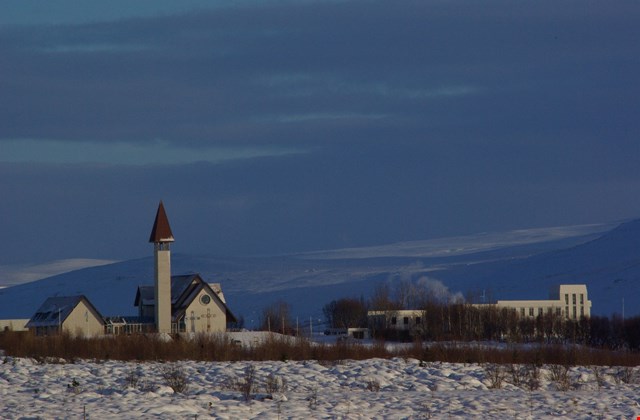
518,264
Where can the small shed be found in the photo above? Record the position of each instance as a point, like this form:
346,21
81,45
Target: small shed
75,315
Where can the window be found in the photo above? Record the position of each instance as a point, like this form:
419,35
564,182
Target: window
581,298
574,298
521,311
566,311
558,311
406,320
575,315
582,311
566,298
417,320
530,311
393,320
539,311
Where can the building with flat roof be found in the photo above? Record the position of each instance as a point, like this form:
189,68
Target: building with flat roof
570,301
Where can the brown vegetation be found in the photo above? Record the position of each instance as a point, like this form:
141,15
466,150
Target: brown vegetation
221,348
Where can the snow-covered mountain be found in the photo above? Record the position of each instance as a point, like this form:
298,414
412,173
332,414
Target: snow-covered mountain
517,264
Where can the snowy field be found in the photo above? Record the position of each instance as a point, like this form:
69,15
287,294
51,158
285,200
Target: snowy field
375,388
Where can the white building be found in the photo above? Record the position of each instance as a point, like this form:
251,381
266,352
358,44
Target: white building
567,300
174,304
74,315
13,324
179,303
399,319
196,306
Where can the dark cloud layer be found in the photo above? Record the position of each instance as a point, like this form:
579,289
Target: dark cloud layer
414,120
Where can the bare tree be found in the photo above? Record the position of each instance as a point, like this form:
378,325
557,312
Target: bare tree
277,317
345,313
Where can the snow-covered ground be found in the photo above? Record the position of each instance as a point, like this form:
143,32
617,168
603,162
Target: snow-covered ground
376,388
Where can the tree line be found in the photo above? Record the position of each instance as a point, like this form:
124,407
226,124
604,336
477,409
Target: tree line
444,317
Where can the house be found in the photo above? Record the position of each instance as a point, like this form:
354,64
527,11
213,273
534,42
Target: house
18,324
400,319
346,333
72,314
196,306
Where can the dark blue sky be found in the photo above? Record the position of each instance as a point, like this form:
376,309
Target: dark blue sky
279,126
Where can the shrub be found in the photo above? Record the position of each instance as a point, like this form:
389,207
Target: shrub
275,384
495,375
132,380
312,399
626,375
74,387
559,375
373,385
246,385
175,377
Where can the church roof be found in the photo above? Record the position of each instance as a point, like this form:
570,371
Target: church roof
161,231
184,289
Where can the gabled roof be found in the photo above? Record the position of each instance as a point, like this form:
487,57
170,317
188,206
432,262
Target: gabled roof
55,310
218,291
145,296
193,293
180,284
184,289
161,231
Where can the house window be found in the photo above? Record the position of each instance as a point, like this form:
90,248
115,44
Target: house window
566,311
558,311
566,298
574,298
539,311
581,298
393,320
530,311
574,313
582,311
521,311
417,320
406,320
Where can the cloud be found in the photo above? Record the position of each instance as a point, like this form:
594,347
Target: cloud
121,153
343,71
277,126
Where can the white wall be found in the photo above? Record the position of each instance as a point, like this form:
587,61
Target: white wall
13,324
200,317
83,321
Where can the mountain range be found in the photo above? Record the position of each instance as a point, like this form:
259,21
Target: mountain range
520,264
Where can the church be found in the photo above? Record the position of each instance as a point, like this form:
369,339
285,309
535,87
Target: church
174,304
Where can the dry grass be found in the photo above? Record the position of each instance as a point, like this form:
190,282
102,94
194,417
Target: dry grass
220,348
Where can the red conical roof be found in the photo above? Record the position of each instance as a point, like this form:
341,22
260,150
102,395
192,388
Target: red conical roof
161,231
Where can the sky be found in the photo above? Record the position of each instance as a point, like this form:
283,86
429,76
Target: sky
271,127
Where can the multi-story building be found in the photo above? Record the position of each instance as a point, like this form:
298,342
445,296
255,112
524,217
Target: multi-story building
567,300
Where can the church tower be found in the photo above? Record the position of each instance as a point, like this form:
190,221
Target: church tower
161,237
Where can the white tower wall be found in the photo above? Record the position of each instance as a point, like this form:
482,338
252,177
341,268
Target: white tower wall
163,287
